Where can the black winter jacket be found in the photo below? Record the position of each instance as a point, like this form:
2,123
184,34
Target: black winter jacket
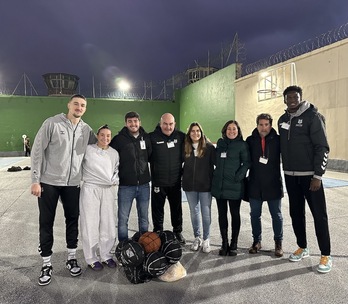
303,142
265,182
134,167
198,171
167,157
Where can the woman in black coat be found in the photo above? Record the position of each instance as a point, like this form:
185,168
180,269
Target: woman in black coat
197,176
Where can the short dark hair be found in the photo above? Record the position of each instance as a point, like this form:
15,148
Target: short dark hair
224,128
293,89
264,116
103,127
131,114
78,96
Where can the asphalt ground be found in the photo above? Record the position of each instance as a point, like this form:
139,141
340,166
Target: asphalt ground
246,278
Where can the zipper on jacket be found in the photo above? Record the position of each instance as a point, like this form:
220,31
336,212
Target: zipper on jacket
72,152
194,172
137,159
289,127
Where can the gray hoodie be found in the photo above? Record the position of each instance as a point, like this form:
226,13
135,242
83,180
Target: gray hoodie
58,151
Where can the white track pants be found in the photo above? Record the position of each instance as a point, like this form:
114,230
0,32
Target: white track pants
97,221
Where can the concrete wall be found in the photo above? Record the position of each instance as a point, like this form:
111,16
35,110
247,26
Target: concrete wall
24,115
209,101
323,76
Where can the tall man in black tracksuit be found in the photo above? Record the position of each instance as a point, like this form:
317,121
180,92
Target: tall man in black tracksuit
304,148
134,147
166,170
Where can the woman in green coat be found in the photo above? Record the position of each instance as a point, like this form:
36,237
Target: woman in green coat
232,164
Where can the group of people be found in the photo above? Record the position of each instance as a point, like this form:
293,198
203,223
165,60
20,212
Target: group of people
67,155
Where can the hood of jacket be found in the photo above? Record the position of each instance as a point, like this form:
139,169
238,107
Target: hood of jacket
125,132
304,106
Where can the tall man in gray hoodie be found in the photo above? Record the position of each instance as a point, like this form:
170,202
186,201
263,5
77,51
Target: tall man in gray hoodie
56,158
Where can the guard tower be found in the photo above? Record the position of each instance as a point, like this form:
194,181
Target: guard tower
198,73
61,84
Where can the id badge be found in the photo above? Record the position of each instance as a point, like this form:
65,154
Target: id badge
170,144
223,155
142,145
285,126
263,160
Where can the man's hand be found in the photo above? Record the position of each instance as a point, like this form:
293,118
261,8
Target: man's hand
36,189
315,184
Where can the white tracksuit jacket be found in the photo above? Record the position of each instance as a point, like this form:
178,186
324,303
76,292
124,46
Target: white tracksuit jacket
97,202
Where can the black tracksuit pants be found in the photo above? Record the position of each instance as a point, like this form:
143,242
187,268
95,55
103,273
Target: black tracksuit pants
298,191
158,198
47,207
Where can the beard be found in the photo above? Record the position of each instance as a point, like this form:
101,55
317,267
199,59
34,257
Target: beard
77,115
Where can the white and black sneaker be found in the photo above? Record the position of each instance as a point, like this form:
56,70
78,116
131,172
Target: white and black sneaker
74,268
45,276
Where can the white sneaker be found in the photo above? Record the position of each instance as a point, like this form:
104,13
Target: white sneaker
206,246
196,243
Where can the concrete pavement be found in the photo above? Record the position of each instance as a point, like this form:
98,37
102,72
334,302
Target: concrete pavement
246,278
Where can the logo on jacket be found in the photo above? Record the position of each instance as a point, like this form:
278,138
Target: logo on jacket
299,123
325,159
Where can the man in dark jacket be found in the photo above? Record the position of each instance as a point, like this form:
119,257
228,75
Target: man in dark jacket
134,147
304,148
265,183
166,169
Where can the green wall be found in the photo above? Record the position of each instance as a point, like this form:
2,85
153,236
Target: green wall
25,114
209,101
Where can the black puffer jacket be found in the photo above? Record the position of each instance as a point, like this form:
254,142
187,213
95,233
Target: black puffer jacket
134,167
265,180
198,171
167,157
303,142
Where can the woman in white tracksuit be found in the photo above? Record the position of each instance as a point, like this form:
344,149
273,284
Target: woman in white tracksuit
97,201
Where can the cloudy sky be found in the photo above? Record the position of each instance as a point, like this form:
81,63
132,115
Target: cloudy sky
145,40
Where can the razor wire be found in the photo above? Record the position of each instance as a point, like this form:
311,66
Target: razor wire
301,48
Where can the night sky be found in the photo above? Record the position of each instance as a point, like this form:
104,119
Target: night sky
144,40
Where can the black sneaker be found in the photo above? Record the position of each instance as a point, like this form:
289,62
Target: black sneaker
180,238
45,276
74,268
